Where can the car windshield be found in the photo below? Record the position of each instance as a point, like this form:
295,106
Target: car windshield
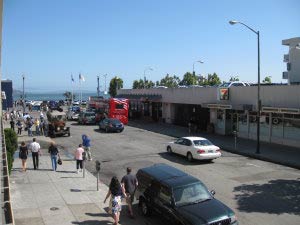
191,194
202,142
115,121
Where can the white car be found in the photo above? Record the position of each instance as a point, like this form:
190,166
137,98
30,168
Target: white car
234,84
194,148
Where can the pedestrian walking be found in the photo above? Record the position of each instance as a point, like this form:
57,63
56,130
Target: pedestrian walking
54,153
37,126
115,193
12,124
45,128
19,126
79,157
23,153
29,126
129,183
35,149
86,142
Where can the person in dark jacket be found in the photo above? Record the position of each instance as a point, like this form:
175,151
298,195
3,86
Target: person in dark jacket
12,124
23,153
54,153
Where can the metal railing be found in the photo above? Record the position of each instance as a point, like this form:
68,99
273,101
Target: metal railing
6,214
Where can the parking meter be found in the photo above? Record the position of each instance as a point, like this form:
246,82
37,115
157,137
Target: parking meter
98,167
235,138
84,156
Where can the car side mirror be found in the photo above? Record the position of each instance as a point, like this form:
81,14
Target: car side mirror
213,192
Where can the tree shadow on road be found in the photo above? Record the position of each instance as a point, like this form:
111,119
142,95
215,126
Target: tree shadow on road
275,197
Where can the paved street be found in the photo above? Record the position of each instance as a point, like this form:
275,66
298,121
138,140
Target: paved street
259,192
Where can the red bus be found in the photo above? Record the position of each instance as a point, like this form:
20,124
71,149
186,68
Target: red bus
111,108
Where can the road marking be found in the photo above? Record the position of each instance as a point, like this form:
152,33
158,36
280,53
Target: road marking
250,164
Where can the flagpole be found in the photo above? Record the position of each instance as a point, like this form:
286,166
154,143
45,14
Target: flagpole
72,81
79,89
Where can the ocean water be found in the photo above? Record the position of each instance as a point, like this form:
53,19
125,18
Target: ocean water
55,96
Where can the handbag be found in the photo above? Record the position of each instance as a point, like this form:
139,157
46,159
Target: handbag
59,161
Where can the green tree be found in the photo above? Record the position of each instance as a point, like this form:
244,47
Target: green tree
11,142
68,96
213,79
189,79
169,81
149,84
234,78
140,84
115,84
267,80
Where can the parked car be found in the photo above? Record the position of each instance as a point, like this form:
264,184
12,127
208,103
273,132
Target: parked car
179,198
73,113
194,148
234,84
87,117
111,125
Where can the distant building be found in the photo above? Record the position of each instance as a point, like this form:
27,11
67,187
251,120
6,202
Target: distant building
6,86
292,61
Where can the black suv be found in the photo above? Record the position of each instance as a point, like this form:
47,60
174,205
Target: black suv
179,197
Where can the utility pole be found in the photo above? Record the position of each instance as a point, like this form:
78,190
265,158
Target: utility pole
98,88
23,95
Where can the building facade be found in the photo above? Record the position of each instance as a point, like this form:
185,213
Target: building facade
292,60
223,110
7,93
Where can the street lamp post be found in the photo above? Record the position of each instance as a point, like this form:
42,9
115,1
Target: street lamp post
105,75
232,22
23,95
199,61
148,68
98,88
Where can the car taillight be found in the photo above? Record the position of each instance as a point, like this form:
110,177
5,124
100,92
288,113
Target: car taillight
218,150
200,151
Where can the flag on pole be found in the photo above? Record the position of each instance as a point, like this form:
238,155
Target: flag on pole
72,78
81,78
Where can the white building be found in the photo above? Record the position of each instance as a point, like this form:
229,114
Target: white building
292,61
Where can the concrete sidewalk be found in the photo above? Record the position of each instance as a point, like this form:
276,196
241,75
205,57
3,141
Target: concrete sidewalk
279,154
45,197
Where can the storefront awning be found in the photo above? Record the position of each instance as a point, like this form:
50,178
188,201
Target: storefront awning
140,97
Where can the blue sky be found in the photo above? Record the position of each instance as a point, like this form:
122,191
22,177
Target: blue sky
48,40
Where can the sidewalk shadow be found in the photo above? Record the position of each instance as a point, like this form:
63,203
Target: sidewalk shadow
93,222
98,214
275,197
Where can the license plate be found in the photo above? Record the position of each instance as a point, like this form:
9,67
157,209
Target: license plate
210,151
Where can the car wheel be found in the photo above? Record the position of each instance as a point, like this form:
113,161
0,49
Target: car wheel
189,157
144,208
69,134
106,129
169,149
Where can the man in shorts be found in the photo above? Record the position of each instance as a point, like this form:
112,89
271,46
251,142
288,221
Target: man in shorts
129,183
